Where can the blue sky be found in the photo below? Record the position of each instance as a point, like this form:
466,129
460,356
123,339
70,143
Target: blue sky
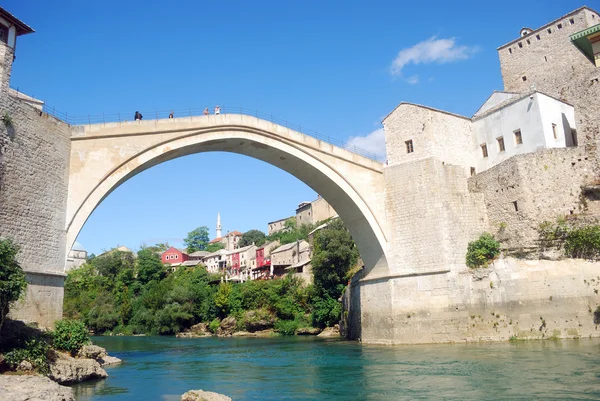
336,67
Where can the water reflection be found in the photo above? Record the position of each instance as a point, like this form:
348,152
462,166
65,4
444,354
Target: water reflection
313,369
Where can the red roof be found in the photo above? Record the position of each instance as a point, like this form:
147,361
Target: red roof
234,233
216,240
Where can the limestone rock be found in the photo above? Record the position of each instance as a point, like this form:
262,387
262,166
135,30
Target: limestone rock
331,331
199,395
64,369
308,331
259,320
108,360
92,352
25,366
227,326
33,388
199,328
262,333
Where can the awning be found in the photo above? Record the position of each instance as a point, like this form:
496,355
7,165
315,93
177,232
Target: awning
581,40
299,264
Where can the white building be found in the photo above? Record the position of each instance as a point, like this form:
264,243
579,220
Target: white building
216,262
76,257
506,125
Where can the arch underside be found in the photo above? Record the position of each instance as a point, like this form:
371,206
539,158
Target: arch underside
301,163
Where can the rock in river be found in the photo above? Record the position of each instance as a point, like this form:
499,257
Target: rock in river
199,395
64,369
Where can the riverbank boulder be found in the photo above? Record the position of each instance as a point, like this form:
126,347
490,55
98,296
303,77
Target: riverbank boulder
199,395
308,331
331,331
65,369
197,330
259,320
98,354
227,326
33,388
262,333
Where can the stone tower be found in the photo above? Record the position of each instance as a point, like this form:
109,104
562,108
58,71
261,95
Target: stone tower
10,28
218,225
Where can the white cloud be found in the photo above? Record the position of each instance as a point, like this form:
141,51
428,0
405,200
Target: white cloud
373,143
413,79
429,51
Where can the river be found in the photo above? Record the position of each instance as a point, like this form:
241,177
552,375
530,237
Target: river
304,368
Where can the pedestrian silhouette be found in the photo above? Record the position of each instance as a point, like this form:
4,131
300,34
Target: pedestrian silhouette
217,110
138,116
171,115
206,112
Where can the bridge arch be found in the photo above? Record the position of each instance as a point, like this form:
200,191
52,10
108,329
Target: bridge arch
105,156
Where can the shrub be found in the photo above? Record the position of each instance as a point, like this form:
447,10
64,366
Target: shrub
287,327
70,335
483,250
214,326
583,243
327,311
35,351
12,278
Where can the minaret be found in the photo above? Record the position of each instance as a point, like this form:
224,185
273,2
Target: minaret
218,225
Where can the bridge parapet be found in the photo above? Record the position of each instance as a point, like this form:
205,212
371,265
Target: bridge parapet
184,125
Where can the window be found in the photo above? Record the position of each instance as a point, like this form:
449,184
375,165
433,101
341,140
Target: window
510,50
528,41
524,78
572,21
559,26
409,146
538,37
473,172
3,33
515,206
518,137
554,131
520,45
574,136
500,144
549,31
484,150
546,58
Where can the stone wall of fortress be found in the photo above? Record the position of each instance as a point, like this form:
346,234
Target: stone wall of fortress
34,173
526,190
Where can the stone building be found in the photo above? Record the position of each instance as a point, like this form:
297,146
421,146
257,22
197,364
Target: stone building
216,262
76,257
531,150
277,225
313,212
230,240
288,255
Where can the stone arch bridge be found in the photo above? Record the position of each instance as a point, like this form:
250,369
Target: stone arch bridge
103,156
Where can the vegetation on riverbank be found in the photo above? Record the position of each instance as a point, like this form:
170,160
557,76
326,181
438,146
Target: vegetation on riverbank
117,293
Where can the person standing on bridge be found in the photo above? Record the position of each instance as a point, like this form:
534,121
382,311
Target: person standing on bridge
171,114
217,110
206,112
138,116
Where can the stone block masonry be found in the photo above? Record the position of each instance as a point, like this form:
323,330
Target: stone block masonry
431,215
34,173
528,189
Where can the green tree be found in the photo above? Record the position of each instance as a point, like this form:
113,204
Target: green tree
149,266
334,254
12,278
197,239
255,237
482,251
215,246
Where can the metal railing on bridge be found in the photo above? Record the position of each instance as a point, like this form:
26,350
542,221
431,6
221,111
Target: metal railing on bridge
194,112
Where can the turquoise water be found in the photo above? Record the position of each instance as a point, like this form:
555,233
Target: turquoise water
304,368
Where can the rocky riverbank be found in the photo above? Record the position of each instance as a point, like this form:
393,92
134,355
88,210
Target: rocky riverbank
253,327
37,365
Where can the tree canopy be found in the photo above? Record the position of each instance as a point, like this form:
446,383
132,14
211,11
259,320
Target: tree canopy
197,239
255,237
214,247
